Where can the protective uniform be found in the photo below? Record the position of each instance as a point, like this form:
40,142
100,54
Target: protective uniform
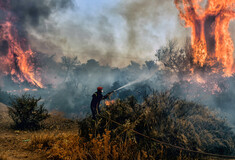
95,102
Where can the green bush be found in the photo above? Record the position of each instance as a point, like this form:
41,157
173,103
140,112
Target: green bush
26,113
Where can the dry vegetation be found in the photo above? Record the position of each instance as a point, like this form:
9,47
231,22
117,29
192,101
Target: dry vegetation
161,116
14,143
2,157
72,146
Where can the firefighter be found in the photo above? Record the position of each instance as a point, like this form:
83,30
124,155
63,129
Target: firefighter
95,102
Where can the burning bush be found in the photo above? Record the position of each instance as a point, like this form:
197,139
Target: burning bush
175,121
26,113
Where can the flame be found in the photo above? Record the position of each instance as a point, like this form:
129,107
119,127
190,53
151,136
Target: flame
109,103
27,89
17,59
199,79
210,37
208,84
22,91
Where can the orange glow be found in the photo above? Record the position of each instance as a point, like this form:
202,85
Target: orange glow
27,89
17,61
22,91
199,79
108,103
210,37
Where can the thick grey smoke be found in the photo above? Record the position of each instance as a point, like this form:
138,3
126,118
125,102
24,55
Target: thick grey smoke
115,35
144,20
31,12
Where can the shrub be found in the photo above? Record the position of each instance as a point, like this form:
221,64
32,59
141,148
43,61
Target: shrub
187,124
26,113
165,118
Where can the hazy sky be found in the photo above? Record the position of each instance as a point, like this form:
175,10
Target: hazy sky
110,31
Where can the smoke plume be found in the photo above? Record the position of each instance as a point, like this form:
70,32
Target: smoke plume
34,13
113,34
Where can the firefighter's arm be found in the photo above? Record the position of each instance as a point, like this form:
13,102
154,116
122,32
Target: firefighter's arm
107,95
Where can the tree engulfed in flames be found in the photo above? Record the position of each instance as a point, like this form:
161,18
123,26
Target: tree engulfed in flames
210,36
16,57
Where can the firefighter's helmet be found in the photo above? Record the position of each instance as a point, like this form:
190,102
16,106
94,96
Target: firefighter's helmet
99,88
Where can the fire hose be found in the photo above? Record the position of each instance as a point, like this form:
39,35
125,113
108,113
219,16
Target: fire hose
170,145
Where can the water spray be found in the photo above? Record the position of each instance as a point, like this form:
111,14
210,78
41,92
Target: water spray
140,79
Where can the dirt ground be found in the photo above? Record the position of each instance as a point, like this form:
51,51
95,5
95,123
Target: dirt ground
14,143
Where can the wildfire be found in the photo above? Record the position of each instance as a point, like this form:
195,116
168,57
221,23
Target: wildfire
16,57
209,84
108,103
199,79
210,36
22,90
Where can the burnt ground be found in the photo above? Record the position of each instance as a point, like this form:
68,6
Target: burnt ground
14,143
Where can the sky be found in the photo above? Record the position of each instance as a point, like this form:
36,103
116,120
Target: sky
113,32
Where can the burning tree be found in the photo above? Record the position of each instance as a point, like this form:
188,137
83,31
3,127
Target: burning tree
205,64
173,58
16,55
210,36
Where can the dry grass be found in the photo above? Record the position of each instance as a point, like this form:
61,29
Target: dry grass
2,157
57,121
71,146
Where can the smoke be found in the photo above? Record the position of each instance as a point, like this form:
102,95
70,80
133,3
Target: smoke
73,94
143,77
34,13
232,31
26,14
111,33
146,19
114,33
